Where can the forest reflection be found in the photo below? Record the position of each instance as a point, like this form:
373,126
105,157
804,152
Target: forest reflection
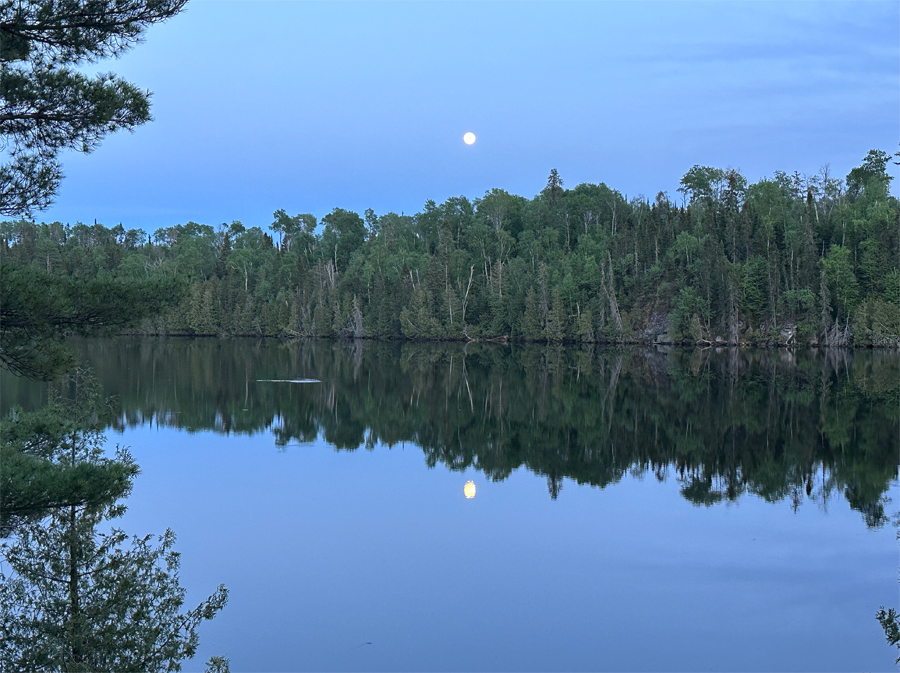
803,426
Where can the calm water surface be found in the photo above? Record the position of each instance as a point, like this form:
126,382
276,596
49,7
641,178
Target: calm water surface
633,509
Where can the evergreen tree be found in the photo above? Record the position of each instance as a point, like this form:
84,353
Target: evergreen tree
81,600
47,105
52,457
554,187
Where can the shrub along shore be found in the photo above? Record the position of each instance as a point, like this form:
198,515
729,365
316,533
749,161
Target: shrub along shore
790,260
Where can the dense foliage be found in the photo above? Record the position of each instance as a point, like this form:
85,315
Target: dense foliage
37,311
790,260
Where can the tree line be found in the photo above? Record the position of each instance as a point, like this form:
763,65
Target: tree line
788,260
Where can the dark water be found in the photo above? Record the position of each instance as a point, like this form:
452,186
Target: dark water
633,509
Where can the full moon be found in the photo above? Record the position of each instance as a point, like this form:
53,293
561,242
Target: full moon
469,490
469,138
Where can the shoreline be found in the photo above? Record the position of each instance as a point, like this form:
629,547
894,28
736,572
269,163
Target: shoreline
508,340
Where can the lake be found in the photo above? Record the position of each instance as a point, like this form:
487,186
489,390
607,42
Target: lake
629,509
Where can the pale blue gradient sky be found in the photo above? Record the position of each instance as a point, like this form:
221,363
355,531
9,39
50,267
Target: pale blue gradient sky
308,106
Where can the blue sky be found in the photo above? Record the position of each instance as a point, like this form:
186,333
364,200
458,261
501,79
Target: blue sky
309,106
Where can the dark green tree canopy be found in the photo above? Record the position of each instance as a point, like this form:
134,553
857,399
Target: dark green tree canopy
37,310
703,182
345,231
873,168
46,105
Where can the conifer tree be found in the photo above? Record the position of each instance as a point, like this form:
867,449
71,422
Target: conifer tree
46,104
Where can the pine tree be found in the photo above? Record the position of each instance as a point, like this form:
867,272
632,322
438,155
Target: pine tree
554,187
81,600
49,106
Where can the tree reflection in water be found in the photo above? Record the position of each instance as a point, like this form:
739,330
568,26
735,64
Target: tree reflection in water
803,426
75,594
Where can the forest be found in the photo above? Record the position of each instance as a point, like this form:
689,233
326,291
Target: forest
789,260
